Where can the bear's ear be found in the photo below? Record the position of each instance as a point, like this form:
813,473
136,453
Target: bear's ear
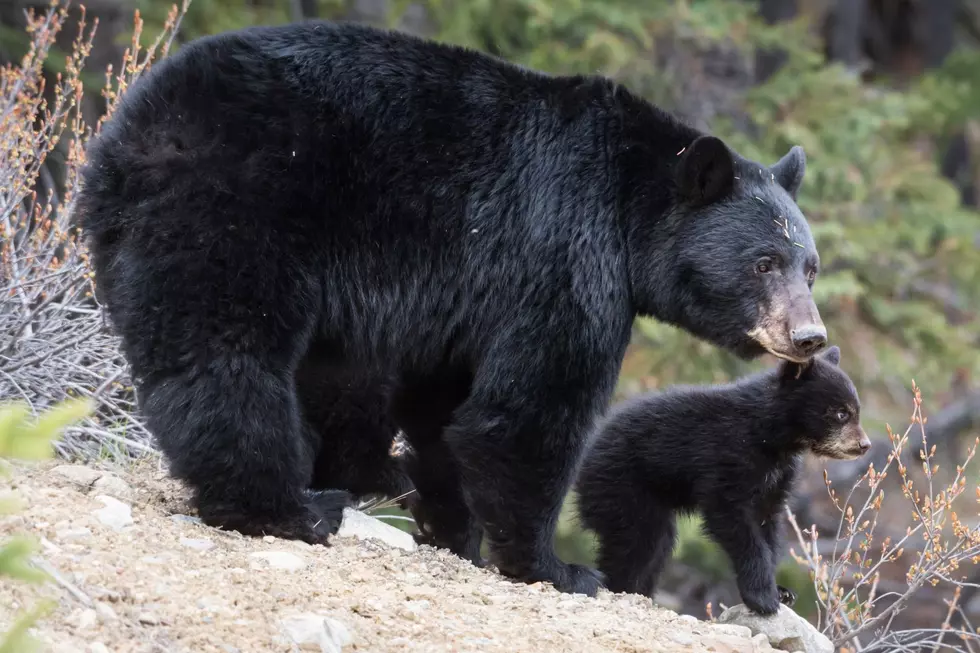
706,171
790,169
831,355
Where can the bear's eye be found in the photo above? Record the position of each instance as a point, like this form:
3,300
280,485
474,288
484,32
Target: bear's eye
842,415
764,266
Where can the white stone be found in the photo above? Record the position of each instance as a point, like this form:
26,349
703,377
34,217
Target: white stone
733,629
197,544
77,533
148,619
280,560
786,630
314,632
105,611
682,638
79,475
83,619
116,514
113,486
362,526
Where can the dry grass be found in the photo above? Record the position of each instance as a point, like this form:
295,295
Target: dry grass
54,342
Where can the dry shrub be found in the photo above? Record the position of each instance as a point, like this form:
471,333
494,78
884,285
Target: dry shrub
53,339
866,574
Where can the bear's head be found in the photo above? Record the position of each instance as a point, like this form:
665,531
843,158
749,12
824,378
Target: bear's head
732,261
821,403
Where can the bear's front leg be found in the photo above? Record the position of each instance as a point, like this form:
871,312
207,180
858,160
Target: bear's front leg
517,440
737,531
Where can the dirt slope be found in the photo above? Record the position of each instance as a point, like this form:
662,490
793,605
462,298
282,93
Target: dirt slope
165,583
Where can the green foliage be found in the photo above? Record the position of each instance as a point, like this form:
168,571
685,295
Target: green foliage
26,439
896,247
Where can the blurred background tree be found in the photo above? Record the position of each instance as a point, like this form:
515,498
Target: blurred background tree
884,95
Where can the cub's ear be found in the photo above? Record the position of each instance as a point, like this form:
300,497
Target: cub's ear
706,171
831,355
790,169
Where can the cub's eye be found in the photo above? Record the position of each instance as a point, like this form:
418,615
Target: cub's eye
842,415
764,266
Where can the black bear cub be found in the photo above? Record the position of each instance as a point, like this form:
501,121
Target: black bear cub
731,451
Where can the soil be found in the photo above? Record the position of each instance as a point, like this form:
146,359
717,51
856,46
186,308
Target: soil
168,583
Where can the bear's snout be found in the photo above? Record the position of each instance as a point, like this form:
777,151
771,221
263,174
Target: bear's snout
809,339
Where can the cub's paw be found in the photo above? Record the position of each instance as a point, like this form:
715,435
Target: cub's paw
764,602
786,596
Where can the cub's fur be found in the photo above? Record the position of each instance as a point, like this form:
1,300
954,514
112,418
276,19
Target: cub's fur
731,451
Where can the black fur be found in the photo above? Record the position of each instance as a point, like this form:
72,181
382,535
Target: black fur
731,451
468,239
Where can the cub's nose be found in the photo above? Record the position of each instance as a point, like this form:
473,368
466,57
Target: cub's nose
809,339
864,444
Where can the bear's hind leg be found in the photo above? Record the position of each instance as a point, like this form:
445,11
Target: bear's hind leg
423,409
232,431
636,535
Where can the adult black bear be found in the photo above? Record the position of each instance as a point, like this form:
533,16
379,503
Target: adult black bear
729,450
478,235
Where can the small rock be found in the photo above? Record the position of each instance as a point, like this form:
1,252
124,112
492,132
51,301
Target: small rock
50,546
314,632
77,533
105,611
357,524
83,619
113,486
148,619
414,609
269,538
116,514
197,544
785,630
97,647
733,629
280,560
681,638
724,644
761,642
481,642
79,475
186,519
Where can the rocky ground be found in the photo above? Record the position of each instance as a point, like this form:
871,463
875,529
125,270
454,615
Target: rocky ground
134,573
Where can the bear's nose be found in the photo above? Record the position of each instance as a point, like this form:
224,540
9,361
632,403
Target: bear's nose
809,339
